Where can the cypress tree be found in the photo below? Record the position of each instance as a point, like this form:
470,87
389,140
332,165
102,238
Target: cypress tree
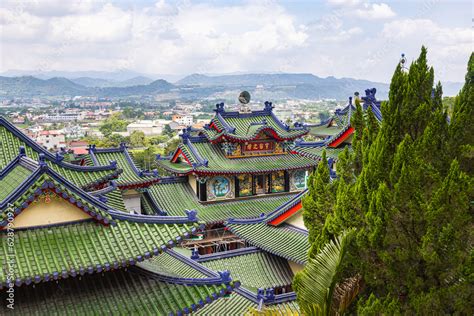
461,128
410,201
317,204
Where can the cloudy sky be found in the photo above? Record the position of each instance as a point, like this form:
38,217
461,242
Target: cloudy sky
341,38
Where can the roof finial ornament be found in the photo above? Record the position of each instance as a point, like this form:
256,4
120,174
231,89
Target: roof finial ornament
225,276
403,62
244,99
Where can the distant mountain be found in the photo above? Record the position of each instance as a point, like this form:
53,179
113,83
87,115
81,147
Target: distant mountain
261,86
249,79
305,86
92,82
29,86
136,81
113,76
156,87
106,75
104,83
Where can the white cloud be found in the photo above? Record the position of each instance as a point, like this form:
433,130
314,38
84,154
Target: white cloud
375,11
19,25
427,29
344,3
185,37
109,24
163,38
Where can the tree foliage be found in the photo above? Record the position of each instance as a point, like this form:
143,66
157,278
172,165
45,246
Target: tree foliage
114,123
137,139
407,190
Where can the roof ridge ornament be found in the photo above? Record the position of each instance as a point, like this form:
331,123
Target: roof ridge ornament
42,161
220,108
22,151
59,157
225,276
192,215
268,106
194,254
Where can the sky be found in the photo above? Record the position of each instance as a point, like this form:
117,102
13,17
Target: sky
340,38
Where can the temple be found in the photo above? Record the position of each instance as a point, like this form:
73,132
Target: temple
216,231
240,155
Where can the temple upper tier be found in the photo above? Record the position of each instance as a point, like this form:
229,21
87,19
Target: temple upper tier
240,155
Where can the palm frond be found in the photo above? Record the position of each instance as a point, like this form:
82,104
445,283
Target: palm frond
345,293
317,281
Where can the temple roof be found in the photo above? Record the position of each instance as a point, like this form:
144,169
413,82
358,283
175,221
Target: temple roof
175,196
87,177
131,177
241,127
314,150
236,304
252,267
338,128
175,265
205,158
282,239
62,251
106,239
118,292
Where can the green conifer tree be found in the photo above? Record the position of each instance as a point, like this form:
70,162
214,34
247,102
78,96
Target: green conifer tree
461,128
410,202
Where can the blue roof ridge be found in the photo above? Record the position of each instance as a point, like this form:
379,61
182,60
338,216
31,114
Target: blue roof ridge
227,254
56,158
264,218
45,169
222,278
121,149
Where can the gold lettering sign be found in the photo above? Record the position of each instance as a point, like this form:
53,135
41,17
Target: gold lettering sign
259,146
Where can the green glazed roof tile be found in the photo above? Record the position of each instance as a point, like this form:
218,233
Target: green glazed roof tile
317,152
281,241
237,305
166,264
176,197
9,148
128,175
218,163
255,270
86,245
113,293
12,180
249,127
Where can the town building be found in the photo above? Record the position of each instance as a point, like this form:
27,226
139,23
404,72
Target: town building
186,120
51,139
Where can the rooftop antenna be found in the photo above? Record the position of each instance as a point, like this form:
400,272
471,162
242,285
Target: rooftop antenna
244,99
403,61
